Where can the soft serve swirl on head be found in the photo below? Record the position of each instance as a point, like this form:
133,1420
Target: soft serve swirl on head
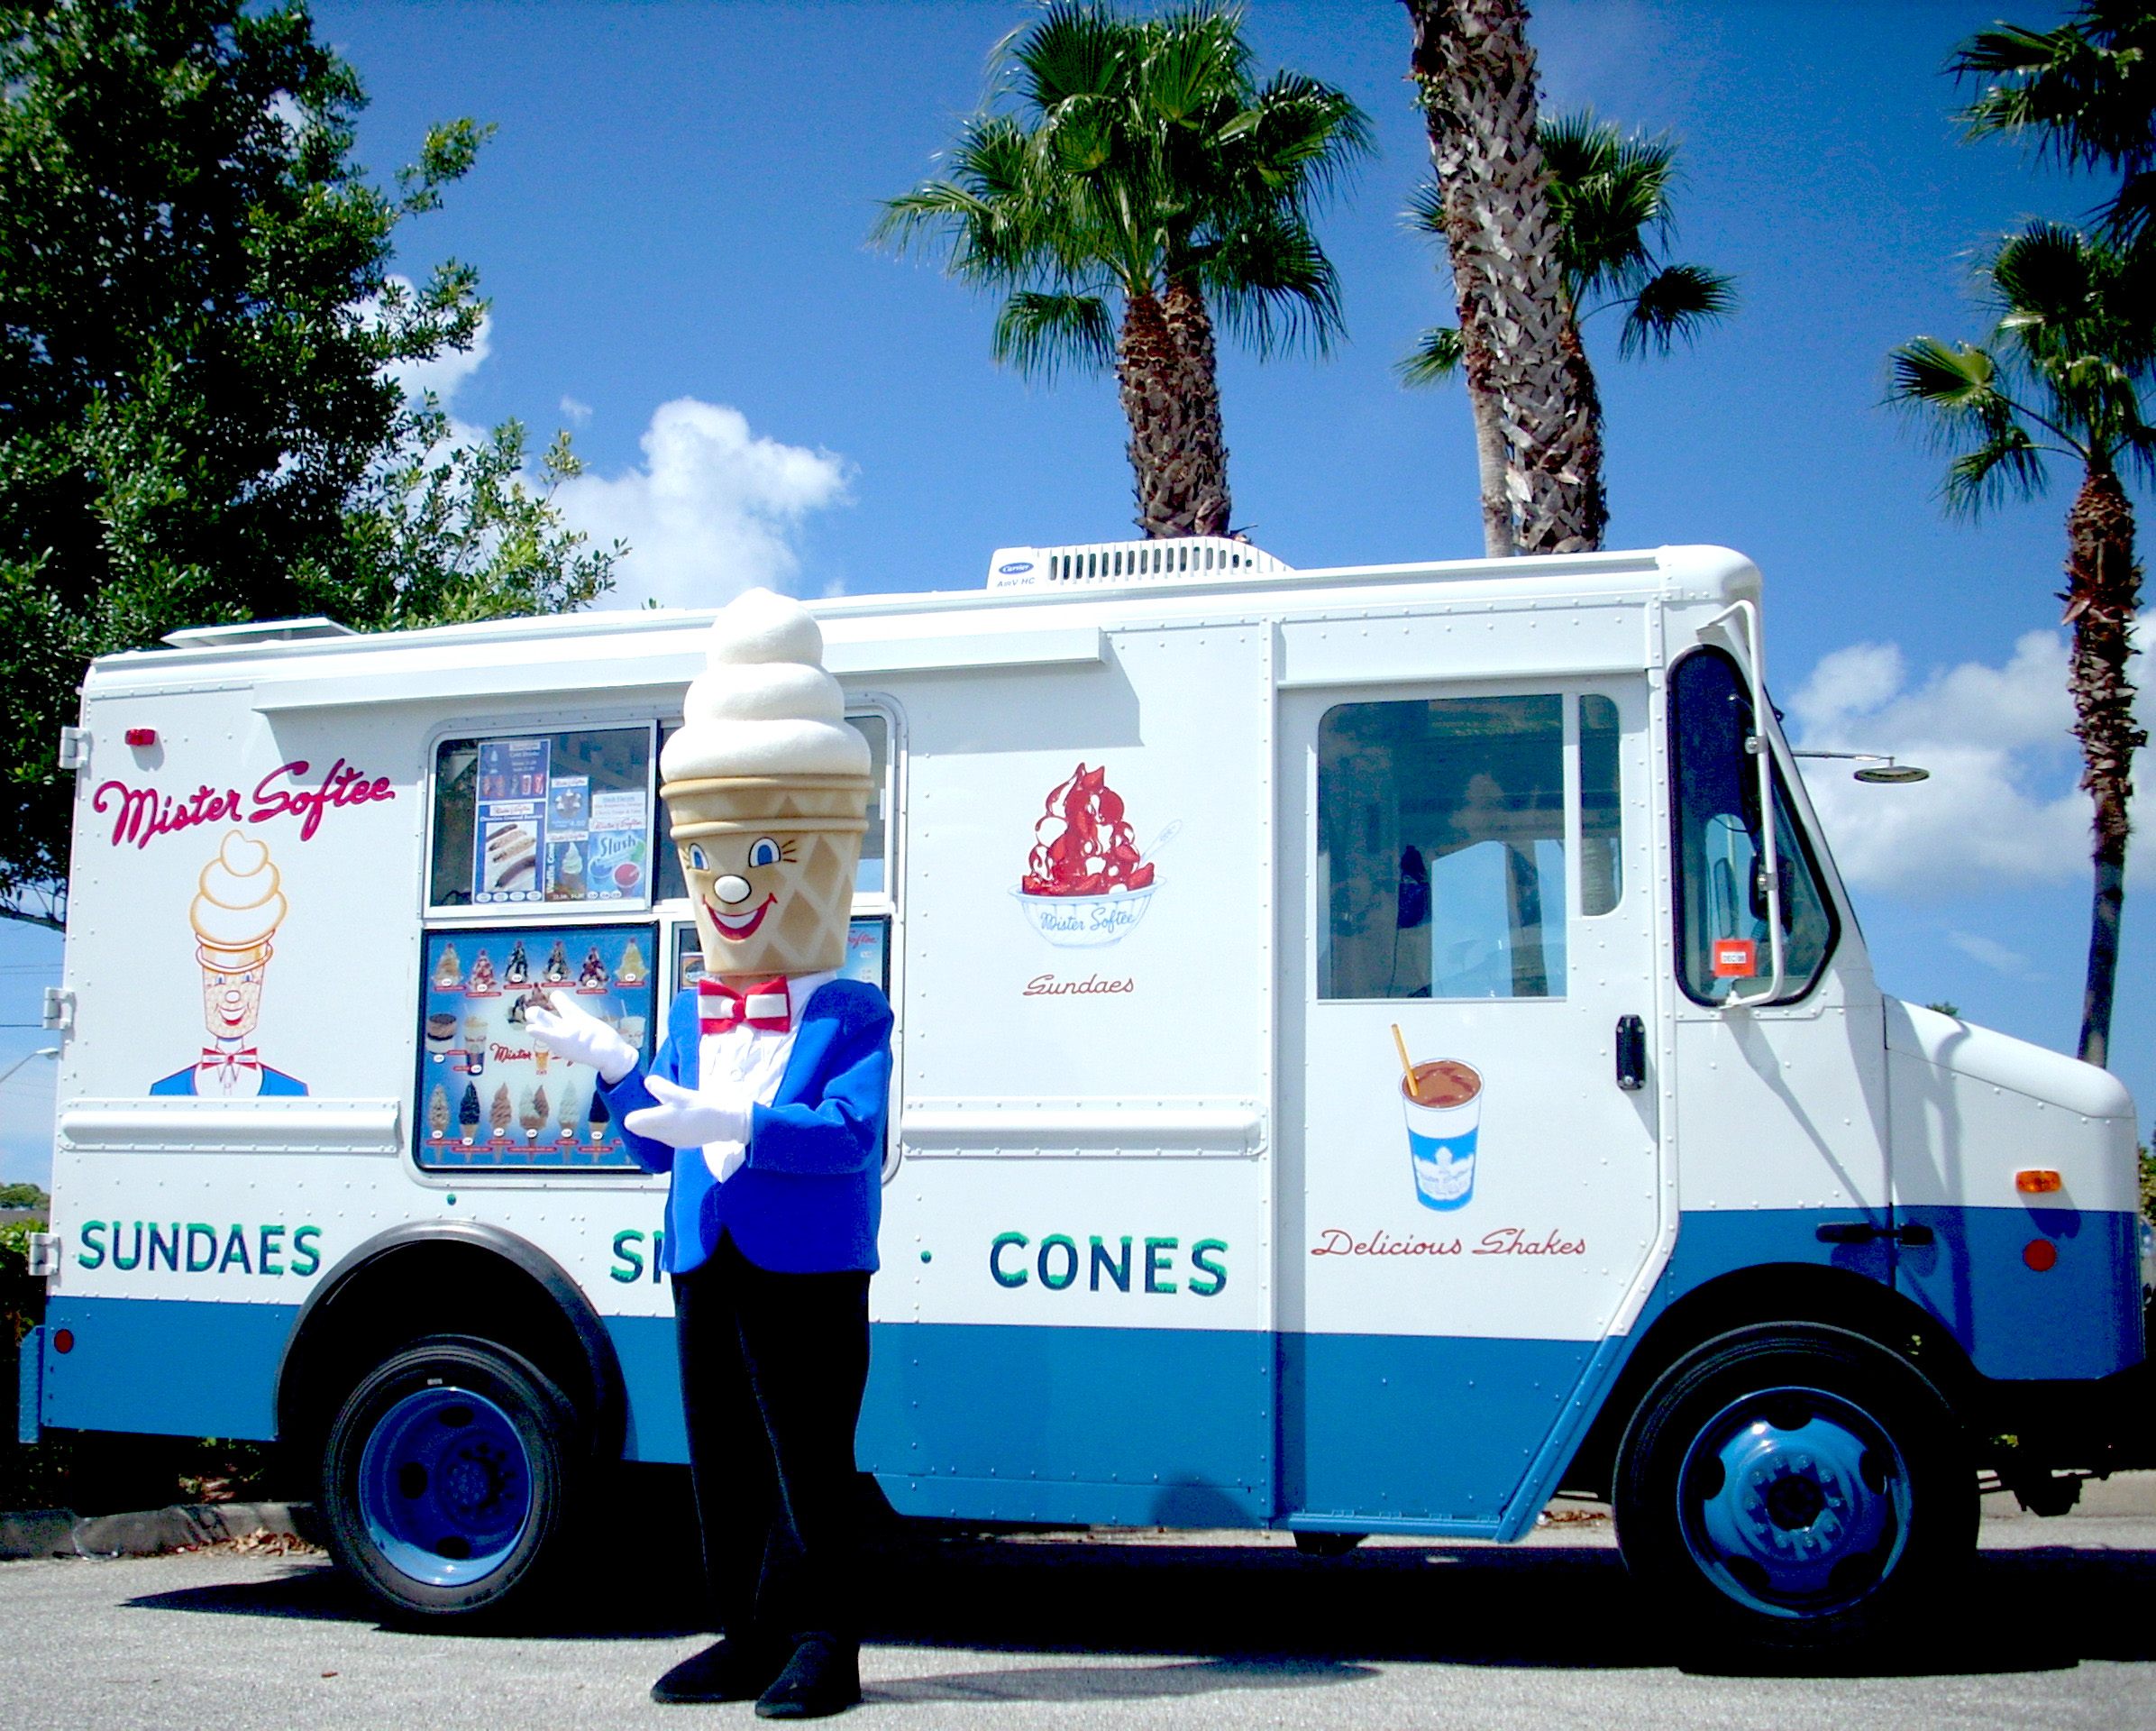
764,705
238,903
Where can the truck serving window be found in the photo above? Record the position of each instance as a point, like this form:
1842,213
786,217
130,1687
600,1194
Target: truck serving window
873,877
1721,877
1441,849
543,818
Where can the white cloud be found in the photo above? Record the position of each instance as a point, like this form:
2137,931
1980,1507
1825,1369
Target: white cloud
445,374
1993,954
2002,804
713,510
576,411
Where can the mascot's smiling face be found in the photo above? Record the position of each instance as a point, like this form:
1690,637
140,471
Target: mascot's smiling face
757,909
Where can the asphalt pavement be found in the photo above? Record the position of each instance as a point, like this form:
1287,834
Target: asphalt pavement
2055,1625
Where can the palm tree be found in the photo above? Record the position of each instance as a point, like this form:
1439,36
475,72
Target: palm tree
1128,182
2086,91
1610,195
2061,377
1537,424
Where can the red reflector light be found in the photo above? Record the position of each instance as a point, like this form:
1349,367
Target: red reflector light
2037,1182
2041,1254
63,1340
141,736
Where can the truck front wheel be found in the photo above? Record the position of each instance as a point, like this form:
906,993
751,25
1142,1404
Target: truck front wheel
1794,1487
446,1477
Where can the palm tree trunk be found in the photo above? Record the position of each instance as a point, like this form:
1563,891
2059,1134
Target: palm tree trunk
1489,448
2102,590
1476,74
1171,397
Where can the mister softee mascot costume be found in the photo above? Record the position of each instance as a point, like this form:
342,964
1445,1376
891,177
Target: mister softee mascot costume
766,1102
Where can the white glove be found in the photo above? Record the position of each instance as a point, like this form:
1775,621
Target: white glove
732,1158
569,1030
684,1118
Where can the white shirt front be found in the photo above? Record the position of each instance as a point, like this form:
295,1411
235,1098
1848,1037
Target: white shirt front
743,1065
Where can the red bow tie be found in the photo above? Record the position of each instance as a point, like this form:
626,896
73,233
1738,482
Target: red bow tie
763,1005
215,1057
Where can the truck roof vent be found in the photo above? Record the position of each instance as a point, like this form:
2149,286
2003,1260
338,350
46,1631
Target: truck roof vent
1115,565
255,631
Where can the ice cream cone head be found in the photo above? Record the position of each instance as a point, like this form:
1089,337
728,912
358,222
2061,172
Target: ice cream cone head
767,790
237,909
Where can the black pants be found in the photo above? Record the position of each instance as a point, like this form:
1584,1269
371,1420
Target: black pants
772,1369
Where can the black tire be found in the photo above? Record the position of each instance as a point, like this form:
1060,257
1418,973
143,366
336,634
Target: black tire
1794,1488
448,1478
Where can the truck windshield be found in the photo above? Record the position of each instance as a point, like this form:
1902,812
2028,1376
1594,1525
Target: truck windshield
1720,878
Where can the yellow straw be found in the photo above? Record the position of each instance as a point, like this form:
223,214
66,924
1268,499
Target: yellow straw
1407,1068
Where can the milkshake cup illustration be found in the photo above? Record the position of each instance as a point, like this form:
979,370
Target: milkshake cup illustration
1442,1101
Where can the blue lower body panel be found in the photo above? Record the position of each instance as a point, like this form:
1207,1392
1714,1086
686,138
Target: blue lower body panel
173,1367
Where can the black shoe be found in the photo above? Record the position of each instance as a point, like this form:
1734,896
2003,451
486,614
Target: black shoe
726,1671
822,1678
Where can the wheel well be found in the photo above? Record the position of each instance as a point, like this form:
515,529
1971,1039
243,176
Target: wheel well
1794,1292
446,1278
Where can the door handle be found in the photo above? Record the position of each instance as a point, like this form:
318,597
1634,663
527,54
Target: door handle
1632,1054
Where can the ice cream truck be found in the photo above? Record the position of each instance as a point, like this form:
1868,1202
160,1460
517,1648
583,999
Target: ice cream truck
1377,1049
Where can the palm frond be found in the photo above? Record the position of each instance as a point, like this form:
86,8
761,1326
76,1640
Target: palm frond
1958,378
1425,211
1272,285
1037,334
2007,466
1438,356
1679,300
1077,48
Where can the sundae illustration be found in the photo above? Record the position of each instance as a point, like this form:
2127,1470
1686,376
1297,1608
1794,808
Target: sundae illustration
449,972
592,975
483,975
1085,882
557,965
235,912
518,970
632,971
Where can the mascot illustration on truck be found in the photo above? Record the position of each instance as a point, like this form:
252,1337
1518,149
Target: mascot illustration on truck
766,1102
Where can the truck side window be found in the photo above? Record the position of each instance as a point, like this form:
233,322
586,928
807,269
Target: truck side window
548,817
872,876
1721,879
1441,849
1601,813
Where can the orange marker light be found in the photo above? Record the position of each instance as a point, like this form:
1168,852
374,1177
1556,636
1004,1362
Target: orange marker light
2038,1181
2041,1254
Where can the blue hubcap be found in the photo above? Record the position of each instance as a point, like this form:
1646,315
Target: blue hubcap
1794,1502
445,1487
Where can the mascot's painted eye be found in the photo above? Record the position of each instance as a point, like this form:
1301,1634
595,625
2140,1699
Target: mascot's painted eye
764,851
697,862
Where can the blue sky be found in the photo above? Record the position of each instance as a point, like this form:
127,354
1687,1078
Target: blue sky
670,223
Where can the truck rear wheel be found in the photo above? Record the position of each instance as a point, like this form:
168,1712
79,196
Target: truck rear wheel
1794,1487
446,1477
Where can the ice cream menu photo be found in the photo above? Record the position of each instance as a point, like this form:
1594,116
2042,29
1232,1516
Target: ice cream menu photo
541,832
488,1094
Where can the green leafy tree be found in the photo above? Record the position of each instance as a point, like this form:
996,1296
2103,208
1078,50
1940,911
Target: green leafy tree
1136,184
2060,378
199,336
2083,92
1610,195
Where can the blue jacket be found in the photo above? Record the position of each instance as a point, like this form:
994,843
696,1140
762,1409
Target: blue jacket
811,1196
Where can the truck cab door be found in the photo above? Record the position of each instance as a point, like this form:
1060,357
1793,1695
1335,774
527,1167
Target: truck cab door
1779,1110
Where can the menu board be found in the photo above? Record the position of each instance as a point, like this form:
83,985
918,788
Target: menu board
868,952
542,833
490,1095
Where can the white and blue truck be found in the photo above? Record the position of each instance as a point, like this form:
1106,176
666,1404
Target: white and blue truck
1446,1071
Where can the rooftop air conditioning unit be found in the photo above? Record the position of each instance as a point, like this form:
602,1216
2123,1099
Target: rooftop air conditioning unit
1115,565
